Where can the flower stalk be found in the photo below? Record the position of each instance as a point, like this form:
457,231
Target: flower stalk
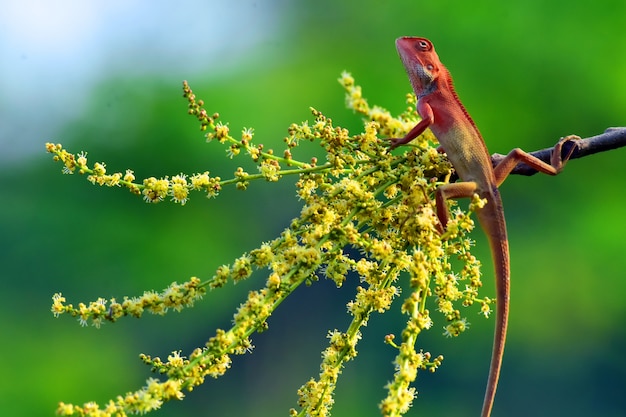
367,214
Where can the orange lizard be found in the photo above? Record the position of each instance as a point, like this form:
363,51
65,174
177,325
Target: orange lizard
442,112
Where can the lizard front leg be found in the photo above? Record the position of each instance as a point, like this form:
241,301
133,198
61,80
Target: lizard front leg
557,161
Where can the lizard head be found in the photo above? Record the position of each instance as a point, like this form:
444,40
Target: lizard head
421,62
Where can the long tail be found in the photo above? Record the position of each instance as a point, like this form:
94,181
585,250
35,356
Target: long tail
492,221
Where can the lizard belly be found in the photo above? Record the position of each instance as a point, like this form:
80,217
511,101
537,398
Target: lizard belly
468,160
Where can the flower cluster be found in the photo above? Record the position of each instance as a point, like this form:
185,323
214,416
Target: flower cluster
175,297
379,204
152,189
147,399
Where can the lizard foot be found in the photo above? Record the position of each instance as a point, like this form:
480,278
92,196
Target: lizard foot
563,151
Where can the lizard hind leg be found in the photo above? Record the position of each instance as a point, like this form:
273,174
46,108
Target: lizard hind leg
454,190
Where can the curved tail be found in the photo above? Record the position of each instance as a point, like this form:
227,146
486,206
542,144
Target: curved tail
492,221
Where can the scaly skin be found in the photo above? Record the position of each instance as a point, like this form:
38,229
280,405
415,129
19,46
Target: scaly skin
442,112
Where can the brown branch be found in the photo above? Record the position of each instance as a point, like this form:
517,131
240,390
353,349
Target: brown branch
612,138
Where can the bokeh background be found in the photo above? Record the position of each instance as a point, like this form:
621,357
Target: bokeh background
105,77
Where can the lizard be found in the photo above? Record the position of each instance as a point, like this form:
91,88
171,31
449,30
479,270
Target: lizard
441,110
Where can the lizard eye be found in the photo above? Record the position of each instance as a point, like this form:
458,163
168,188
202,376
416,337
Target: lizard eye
424,45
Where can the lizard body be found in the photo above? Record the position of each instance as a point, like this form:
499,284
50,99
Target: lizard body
442,111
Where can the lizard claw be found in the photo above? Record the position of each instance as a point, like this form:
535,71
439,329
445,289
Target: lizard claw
395,142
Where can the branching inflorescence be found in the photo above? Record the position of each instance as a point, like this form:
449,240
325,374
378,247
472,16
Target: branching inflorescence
363,200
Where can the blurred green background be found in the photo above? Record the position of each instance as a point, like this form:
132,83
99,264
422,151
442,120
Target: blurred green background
105,77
